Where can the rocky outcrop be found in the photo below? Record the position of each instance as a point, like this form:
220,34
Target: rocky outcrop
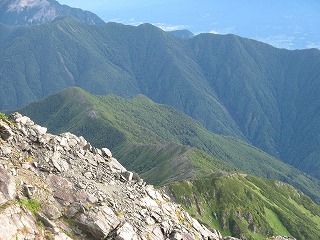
7,186
82,191
18,223
28,12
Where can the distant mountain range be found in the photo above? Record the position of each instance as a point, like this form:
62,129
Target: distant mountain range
190,113
31,12
184,34
233,86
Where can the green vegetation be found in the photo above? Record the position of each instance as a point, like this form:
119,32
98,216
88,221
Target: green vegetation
32,205
150,138
249,207
275,223
160,164
163,145
246,90
3,116
233,86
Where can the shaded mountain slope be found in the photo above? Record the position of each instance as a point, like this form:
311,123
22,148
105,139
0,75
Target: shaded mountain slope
184,34
135,125
29,12
113,58
233,86
271,93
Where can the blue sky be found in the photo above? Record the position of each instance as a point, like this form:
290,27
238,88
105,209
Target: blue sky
292,24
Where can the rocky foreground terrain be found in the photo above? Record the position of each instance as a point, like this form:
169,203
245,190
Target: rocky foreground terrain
61,187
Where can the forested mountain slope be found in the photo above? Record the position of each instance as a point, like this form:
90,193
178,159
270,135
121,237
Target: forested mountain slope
233,86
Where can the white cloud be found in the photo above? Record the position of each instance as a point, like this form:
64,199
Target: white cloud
214,32
134,22
131,21
289,16
313,45
223,30
279,41
168,27
118,20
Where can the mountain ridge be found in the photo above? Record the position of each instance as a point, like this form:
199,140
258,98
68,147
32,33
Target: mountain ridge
247,207
68,162
233,86
61,187
139,125
33,12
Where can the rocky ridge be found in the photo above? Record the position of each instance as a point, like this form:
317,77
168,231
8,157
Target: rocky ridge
63,188
34,12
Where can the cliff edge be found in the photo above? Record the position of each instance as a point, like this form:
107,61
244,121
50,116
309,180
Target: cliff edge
61,187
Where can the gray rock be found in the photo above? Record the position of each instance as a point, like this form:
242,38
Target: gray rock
5,131
205,233
30,190
7,186
176,236
55,160
40,130
106,153
86,184
62,189
64,142
88,175
24,120
126,232
13,220
116,166
6,150
92,199
73,209
61,236
26,165
99,224
15,116
87,147
82,142
157,233
46,221
127,175
51,211
136,177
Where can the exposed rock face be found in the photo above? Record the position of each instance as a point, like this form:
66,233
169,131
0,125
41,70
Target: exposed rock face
7,186
16,223
27,12
82,191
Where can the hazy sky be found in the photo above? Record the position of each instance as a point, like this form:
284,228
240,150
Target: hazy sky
283,23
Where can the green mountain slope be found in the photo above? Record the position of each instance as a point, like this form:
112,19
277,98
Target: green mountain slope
112,58
249,207
238,87
146,136
271,93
